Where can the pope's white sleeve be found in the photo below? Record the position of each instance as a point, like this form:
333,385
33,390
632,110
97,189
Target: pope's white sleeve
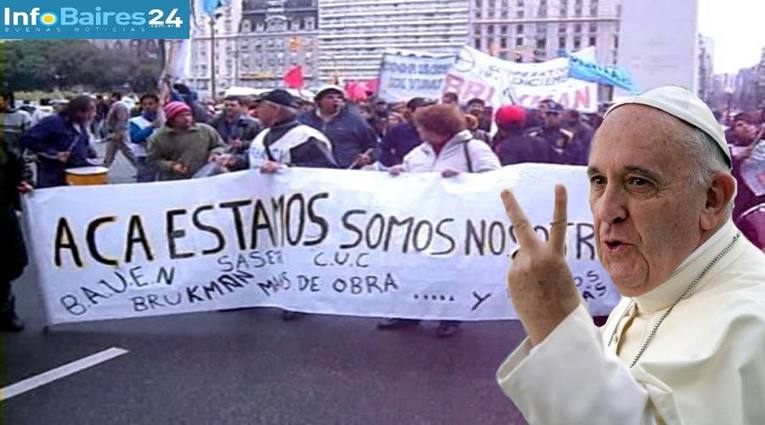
571,378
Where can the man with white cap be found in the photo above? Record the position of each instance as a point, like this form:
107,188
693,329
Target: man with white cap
353,140
686,344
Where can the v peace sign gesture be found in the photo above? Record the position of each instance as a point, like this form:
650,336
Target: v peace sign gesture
540,282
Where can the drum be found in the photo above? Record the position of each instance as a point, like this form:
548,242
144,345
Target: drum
86,176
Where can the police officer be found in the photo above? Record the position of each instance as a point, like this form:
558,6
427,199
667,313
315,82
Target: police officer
559,140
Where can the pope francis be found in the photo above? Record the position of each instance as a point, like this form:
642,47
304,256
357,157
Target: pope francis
686,344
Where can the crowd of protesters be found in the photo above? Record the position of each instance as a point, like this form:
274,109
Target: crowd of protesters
179,137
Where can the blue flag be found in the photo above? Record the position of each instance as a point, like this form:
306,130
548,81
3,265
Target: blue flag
604,74
210,6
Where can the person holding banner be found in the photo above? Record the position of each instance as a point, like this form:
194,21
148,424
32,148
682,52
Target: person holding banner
686,344
182,147
449,149
285,142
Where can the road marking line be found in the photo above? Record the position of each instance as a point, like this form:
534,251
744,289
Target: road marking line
59,372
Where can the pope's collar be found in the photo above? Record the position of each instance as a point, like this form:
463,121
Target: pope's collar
665,294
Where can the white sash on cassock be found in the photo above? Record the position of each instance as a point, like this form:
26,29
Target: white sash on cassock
139,149
280,150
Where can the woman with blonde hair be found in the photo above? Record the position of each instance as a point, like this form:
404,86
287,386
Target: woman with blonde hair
450,149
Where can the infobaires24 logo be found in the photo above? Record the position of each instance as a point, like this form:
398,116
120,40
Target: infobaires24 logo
131,18
69,16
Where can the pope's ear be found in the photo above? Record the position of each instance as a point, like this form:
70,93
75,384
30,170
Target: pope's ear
719,195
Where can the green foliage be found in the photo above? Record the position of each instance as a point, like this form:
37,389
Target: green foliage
46,65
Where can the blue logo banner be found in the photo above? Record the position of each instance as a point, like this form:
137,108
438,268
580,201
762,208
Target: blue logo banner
611,75
88,19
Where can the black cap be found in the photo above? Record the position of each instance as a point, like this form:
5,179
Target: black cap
555,107
280,97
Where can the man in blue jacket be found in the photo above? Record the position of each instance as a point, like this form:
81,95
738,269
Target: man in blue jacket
141,127
61,141
353,140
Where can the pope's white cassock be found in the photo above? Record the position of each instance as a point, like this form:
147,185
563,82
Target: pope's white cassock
704,365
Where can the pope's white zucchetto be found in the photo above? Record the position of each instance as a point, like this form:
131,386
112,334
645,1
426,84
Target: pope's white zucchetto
684,105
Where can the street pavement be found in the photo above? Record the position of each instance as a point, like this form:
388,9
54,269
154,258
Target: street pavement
249,367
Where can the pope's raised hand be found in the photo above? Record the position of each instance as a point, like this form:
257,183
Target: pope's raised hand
540,282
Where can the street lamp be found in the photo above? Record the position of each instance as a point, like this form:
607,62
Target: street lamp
213,19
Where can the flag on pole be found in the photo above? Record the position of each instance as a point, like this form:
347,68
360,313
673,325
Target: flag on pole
293,79
179,60
210,6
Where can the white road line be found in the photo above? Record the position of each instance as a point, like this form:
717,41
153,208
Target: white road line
59,372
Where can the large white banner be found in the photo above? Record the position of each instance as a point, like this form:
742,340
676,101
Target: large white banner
500,82
321,241
405,74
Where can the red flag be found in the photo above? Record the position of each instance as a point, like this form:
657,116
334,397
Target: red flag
293,79
373,85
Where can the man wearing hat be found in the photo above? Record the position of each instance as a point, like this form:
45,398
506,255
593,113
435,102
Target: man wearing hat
514,144
181,147
559,140
352,138
686,344
284,141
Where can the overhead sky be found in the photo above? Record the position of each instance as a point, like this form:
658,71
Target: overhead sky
738,30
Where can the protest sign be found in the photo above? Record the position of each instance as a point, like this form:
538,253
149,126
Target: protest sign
321,241
406,74
499,82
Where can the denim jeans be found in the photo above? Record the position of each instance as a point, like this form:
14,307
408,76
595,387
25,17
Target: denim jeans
145,172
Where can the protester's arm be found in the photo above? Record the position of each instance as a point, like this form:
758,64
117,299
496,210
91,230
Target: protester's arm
36,138
154,157
238,162
217,145
138,134
312,153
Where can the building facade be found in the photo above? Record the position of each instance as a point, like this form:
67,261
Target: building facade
256,42
276,35
354,33
658,43
760,77
706,68
539,30
223,28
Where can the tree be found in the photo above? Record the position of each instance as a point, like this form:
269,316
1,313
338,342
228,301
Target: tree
50,64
